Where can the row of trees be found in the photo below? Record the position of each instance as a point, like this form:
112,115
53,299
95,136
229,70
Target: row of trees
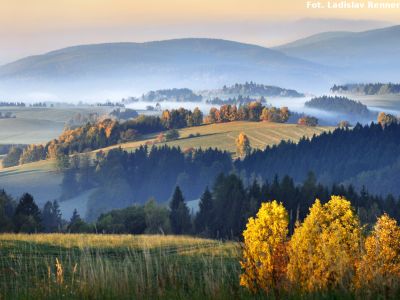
222,211
25,216
239,100
368,89
225,208
124,178
338,156
12,104
254,89
181,118
327,252
254,111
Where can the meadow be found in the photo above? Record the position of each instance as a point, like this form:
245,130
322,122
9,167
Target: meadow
63,266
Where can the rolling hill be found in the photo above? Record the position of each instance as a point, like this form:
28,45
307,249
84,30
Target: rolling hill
364,55
192,63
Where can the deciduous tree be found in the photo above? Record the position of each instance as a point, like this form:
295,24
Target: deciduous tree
243,147
264,255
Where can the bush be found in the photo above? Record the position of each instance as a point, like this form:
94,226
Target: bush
171,135
12,158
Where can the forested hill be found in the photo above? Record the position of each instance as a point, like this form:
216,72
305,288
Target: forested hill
367,89
339,104
254,89
176,95
334,157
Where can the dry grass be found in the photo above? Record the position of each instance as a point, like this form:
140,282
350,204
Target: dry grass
56,266
223,135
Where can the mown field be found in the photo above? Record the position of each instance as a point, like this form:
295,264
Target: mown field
57,266
223,135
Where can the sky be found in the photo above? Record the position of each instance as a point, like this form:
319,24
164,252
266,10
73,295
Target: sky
29,27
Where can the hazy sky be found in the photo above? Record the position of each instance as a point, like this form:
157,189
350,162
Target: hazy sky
36,26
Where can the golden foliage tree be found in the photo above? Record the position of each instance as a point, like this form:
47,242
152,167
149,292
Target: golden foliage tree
324,248
264,256
243,147
379,268
386,119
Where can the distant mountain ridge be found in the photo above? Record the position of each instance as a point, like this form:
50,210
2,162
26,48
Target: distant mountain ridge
139,67
312,64
348,48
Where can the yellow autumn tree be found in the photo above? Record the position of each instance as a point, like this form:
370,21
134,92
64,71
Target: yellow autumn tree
264,255
324,248
379,269
243,147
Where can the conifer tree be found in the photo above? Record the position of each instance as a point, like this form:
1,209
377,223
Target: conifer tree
179,214
204,216
27,215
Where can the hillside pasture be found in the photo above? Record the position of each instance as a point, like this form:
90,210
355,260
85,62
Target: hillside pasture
223,135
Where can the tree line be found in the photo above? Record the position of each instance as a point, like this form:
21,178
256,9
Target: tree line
123,178
12,104
335,157
254,111
254,89
367,89
223,210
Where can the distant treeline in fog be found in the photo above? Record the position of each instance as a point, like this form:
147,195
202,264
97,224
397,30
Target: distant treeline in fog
367,89
254,89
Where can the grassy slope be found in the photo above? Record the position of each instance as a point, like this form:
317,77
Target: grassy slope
38,178
35,125
222,136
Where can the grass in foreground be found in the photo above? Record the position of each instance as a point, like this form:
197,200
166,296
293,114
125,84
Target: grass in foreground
59,266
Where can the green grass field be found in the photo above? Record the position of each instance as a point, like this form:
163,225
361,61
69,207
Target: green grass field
118,267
